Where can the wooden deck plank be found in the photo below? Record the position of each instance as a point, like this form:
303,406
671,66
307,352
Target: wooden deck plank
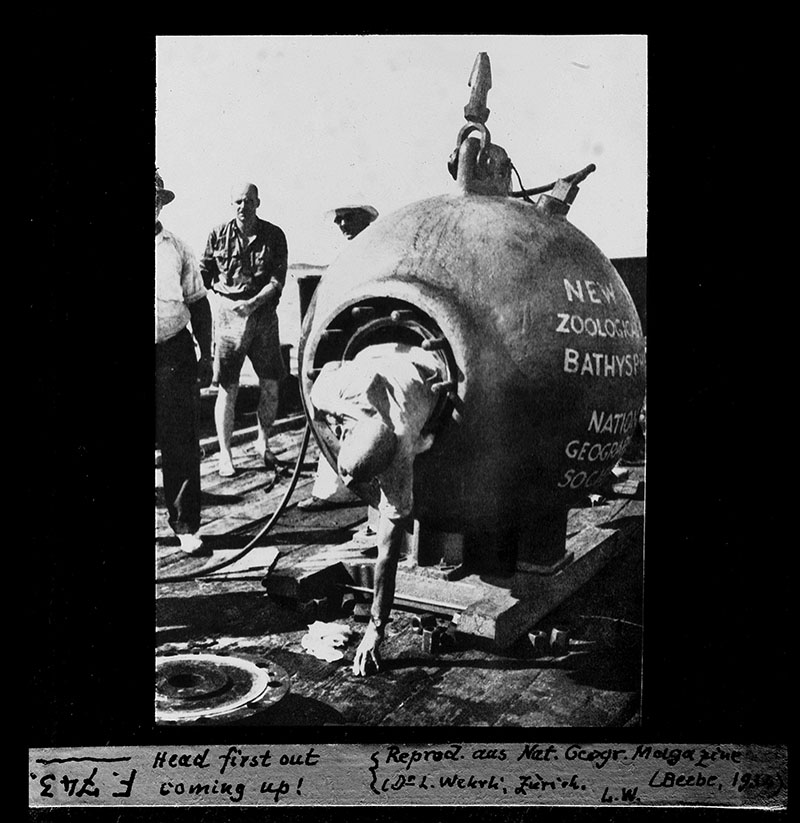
473,690
595,688
250,496
472,685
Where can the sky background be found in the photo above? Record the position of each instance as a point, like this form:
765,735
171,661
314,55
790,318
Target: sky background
319,121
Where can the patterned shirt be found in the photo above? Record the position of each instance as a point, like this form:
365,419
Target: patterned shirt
178,284
239,268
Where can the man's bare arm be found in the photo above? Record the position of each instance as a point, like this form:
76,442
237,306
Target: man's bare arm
391,536
270,293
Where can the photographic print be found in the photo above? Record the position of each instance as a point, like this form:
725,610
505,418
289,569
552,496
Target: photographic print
407,550
428,254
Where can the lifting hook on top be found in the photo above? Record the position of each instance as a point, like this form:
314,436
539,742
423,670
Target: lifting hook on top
476,112
481,167
476,164
480,81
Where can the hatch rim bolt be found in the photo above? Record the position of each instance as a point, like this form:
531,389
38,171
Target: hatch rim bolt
540,642
401,315
559,639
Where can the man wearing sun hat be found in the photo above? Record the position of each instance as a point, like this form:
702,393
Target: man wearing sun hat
353,219
180,302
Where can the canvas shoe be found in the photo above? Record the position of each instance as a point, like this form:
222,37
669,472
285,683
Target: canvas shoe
191,543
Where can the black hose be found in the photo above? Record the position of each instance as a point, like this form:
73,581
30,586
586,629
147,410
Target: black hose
179,578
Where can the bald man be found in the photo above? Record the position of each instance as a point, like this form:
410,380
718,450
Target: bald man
245,264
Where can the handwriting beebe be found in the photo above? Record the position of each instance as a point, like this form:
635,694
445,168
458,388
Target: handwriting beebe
428,764
454,774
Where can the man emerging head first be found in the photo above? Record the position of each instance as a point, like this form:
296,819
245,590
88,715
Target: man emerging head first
377,405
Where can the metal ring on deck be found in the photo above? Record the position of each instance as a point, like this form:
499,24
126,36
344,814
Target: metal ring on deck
197,688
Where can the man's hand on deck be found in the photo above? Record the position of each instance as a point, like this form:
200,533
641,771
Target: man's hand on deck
368,650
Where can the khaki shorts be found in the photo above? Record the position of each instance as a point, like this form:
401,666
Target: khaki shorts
235,338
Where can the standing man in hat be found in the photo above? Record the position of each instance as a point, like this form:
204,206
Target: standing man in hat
352,220
180,300
245,264
329,491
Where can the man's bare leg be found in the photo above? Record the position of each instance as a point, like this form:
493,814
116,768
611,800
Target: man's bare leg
266,412
224,413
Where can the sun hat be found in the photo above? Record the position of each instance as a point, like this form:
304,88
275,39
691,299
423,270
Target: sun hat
164,195
339,210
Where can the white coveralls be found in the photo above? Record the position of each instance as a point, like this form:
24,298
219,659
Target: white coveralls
392,384
395,380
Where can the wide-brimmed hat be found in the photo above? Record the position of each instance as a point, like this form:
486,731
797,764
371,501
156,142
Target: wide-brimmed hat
164,195
339,210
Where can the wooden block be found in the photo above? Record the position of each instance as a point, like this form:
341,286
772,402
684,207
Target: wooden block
509,609
303,584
